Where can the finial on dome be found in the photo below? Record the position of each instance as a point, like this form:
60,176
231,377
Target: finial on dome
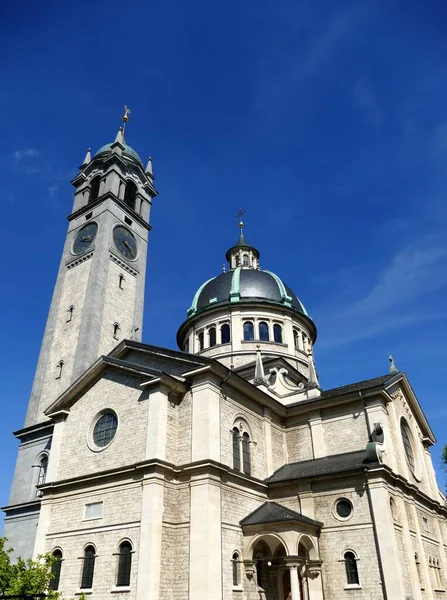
120,136
393,368
88,158
125,118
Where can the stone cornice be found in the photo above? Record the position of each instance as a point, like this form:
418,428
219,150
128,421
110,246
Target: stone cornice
196,471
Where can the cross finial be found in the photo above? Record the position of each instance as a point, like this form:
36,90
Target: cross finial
125,117
240,213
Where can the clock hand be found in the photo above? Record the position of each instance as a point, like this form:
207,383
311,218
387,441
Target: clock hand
127,245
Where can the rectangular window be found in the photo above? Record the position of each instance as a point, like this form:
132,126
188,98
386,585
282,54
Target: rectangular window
93,511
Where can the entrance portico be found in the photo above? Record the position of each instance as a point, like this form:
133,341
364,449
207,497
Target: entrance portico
281,555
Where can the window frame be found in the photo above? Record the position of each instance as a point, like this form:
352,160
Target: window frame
278,327
227,328
212,337
351,569
242,443
56,569
127,568
265,336
248,329
87,576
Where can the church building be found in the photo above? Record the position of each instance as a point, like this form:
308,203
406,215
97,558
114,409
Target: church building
221,470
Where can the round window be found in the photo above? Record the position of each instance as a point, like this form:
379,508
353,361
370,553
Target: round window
105,429
343,508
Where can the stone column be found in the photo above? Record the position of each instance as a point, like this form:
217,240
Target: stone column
294,583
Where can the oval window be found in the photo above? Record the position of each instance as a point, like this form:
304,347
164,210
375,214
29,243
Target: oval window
105,429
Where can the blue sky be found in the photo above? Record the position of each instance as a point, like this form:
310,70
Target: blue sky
326,121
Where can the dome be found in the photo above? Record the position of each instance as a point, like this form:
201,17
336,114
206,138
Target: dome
127,150
241,286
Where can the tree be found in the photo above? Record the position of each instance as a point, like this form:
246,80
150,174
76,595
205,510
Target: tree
444,455
26,577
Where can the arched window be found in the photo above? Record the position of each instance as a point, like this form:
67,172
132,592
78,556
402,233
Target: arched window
248,331
94,188
352,575
246,453
56,570
88,567
236,450
406,439
116,331
130,194
43,468
295,338
212,336
124,564
277,333
121,281
235,560
200,339
263,331
225,334
245,260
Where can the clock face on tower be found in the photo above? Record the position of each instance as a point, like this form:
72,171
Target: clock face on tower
125,242
84,238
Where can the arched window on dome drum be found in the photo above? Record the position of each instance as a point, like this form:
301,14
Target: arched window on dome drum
88,568
352,575
236,452
277,333
94,188
295,338
200,338
246,453
225,337
212,336
124,564
263,331
56,570
130,194
248,331
245,260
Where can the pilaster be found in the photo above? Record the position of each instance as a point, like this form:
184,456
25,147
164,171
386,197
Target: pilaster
205,421
205,567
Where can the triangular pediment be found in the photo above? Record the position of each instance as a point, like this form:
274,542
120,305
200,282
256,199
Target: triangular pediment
273,512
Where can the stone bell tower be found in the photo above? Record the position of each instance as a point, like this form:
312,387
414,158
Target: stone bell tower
97,301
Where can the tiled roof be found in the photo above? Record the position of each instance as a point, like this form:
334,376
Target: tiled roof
272,512
360,385
338,463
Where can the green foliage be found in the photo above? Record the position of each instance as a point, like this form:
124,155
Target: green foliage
444,455
26,576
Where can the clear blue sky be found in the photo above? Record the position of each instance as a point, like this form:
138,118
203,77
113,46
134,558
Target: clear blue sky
326,121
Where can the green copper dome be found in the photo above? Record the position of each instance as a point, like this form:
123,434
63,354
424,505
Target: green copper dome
127,150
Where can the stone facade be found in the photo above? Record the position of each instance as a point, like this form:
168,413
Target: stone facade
220,473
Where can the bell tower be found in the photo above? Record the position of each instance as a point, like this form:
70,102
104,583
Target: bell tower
97,301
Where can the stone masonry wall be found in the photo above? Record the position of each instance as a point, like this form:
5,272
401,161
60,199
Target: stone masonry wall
106,562
344,431
299,443
122,394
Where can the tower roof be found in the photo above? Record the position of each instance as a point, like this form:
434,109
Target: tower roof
130,152
241,244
